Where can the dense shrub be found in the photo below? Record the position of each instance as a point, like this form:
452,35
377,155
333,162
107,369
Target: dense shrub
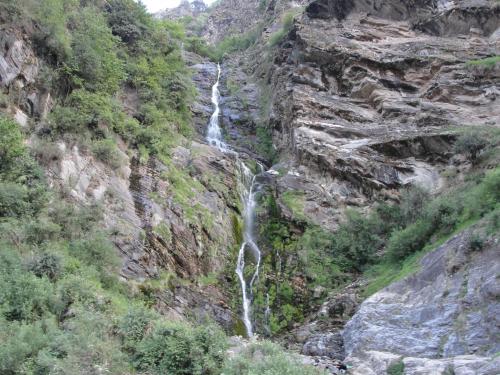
408,240
48,265
128,20
471,143
107,151
23,296
95,61
99,252
176,348
135,324
62,308
11,140
396,368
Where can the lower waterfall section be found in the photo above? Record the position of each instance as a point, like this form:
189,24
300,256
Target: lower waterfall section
249,189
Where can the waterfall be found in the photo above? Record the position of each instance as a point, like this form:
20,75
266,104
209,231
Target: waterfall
248,192
249,188
214,134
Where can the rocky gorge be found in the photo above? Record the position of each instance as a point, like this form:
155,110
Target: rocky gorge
337,109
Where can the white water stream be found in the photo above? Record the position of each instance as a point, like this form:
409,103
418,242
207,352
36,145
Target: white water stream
247,195
214,134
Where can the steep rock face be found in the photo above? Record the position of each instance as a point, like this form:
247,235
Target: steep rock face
155,228
366,91
231,17
443,317
241,107
204,77
19,69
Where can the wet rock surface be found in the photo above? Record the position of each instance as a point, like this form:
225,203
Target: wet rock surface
204,76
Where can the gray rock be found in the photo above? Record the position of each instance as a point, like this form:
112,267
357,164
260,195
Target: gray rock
325,345
446,310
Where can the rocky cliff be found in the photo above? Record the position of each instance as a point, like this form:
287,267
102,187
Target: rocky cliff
344,105
365,94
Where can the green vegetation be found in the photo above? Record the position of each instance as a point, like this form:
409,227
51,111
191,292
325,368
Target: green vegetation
478,143
266,358
230,44
107,151
177,349
488,62
295,201
93,50
397,368
62,307
439,219
287,23
235,43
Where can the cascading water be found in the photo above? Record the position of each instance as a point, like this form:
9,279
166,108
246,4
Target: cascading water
248,192
214,134
249,203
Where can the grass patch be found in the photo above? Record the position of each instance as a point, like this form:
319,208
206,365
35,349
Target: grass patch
295,201
488,62
286,26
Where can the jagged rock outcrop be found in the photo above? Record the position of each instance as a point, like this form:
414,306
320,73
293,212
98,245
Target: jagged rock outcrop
443,318
364,93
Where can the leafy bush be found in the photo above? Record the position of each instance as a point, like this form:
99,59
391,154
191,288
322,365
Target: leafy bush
396,368
409,240
22,343
11,140
199,46
476,242
95,61
84,111
471,143
23,296
134,325
53,39
48,265
14,200
176,348
107,151
99,252
128,20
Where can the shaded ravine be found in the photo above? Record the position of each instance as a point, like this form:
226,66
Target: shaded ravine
249,189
